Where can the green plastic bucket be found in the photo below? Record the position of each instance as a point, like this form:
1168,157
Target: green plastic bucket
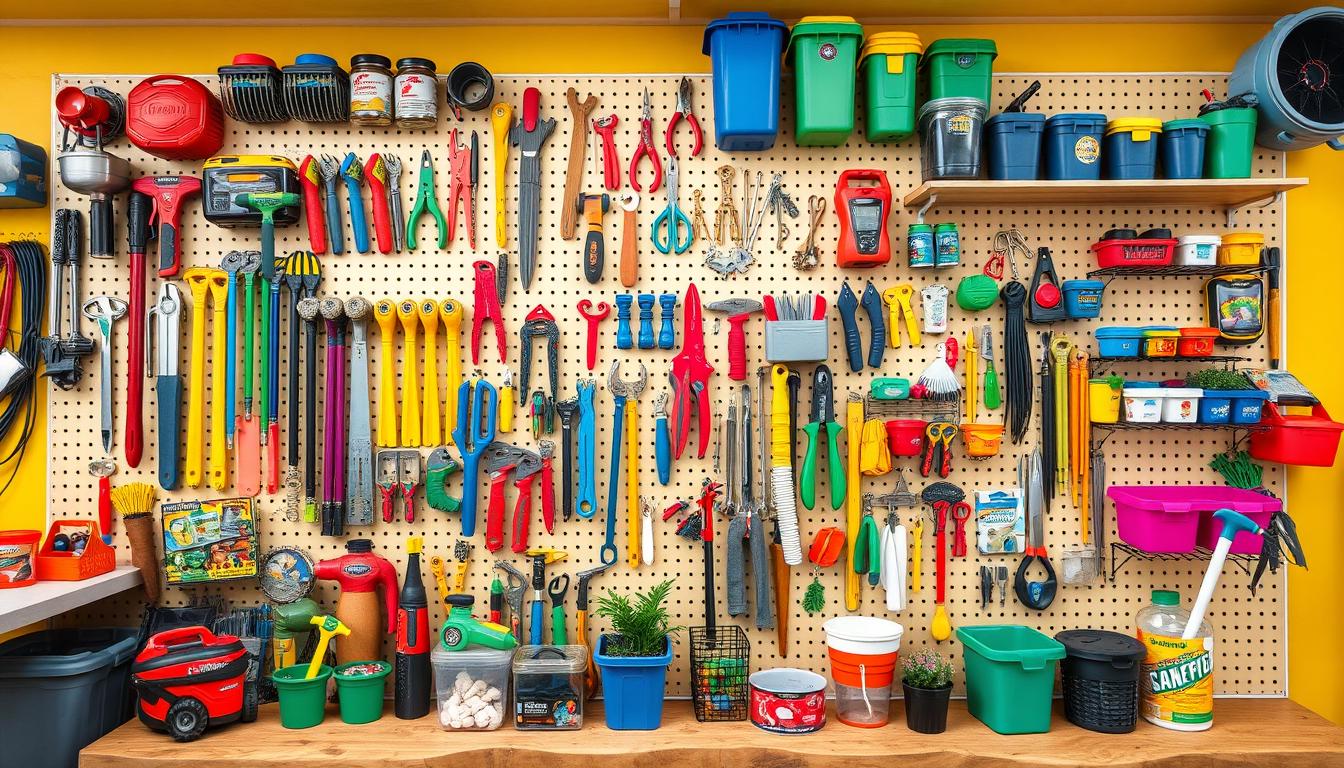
361,696
889,68
302,702
824,54
1010,676
960,67
1231,144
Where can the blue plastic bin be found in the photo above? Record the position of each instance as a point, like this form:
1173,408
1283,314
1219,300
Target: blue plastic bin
61,690
1215,407
1082,298
1013,141
745,49
1181,148
1072,148
1247,405
1119,341
1130,149
632,688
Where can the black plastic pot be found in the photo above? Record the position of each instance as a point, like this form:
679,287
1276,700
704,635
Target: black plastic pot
926,708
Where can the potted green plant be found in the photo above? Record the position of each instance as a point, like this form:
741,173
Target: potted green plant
1218,384
633,657
926,678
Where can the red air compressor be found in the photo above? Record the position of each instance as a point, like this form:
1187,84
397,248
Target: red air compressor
863,219
188,679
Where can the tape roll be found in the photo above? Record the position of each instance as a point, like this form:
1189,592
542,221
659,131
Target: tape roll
464,80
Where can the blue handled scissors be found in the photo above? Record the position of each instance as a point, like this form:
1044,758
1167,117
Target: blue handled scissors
473,434
675,221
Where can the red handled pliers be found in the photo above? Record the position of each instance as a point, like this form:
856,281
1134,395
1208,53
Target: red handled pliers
684,110
486,306
646,149
459,191
690,378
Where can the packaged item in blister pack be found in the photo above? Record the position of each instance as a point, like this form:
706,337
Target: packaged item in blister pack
1000,526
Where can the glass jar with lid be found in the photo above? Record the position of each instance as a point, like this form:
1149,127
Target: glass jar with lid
370,90
417,94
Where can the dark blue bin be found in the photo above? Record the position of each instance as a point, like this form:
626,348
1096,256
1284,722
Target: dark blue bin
1072,149
1130,149
1215,407
1247,405
745,49
1181,148
1013,145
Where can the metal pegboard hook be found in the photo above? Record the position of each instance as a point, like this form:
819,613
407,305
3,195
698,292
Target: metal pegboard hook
1232,211
932,201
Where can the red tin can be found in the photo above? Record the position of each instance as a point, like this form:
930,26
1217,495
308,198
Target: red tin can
175,118
788,700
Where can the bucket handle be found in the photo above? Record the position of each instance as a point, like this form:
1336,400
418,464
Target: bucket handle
863,684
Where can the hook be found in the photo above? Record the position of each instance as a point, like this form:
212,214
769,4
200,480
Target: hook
1232,211
933,199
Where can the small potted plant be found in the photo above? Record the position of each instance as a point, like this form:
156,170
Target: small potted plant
926,678
634,657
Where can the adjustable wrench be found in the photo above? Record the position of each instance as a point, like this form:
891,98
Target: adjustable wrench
105,310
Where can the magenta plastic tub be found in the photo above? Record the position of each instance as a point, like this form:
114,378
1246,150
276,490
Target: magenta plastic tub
1170,518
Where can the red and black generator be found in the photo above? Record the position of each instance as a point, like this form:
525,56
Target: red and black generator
188,679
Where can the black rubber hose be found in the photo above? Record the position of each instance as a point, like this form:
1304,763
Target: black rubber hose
1017,360
21,410
462,79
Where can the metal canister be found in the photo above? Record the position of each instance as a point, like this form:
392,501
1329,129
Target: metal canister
417,94
370,90
947,242
919,246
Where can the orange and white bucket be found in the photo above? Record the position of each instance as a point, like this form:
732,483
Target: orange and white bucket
863,652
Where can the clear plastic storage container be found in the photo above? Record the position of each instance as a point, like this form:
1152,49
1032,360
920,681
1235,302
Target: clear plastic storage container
472,687
548,687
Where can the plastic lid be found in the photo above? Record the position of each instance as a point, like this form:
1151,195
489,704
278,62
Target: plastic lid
962,45
1083,285
1101,645
1167,597
253,60
952,104
1119,124
412,61
892,44
550,659
1189,123
1182,392
473,655
1243,237
1116,331
1199,330
1016,117
376,59
1246,394
315,58
740,19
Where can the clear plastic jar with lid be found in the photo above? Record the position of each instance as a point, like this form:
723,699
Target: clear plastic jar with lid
417,94
370,90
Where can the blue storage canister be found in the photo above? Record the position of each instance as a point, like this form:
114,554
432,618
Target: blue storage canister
1082,298
947,245
1130,150
920,246
1247,404
745,49
1215,407
1119,341
1013,145
1072,149
1181,148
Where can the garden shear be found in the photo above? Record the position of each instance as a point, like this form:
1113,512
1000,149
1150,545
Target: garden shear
461,160
425,201
690,378
672,228
477,405
897,299
823,419
684,110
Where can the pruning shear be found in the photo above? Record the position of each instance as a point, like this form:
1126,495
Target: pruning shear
868,549
425,201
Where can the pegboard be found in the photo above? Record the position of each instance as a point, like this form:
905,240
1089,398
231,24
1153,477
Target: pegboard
1250,629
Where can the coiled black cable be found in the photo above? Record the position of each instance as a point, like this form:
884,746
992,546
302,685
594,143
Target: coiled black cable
21,410
1017,360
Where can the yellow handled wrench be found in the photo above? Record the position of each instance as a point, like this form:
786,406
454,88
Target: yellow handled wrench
450,313
198,284
385,313
410,376
429,415
219,452
972,377
501,119
897,299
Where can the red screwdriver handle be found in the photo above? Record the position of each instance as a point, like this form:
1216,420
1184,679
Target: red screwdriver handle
387,503
376,172
547,496
312,206
522,510
105,504
494,512
737,347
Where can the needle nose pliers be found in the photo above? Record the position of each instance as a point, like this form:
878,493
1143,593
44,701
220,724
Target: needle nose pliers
823,421
425,201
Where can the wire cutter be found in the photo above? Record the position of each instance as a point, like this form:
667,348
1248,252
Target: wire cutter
937,449
486,306
823,418
646,149
690,378
672,228
425,201
684,110
460,190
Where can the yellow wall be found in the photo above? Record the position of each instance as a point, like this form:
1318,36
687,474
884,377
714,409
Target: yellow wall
1314,231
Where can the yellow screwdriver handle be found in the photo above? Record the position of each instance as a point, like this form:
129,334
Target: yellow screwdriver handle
385,312
501,119
506,400
460,578
219,453
853,516
781,439
198,284
450,312
440,577
430,426
916,531
410,376
632,480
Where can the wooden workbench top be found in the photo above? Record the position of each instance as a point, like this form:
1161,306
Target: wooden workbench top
1246,732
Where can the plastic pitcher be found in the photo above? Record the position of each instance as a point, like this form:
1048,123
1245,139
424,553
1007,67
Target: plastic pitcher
863,652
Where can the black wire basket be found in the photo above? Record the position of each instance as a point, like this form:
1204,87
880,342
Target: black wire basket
720,663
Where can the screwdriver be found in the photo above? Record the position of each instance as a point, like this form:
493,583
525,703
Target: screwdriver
475,176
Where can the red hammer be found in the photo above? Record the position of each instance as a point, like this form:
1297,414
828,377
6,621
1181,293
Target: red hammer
168,193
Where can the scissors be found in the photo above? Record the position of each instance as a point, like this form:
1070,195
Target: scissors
673,219
477,406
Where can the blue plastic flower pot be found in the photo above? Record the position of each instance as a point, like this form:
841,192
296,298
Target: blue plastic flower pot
632,687
1215,408
745,51
1013,145
1072,149
1082,298
1181,148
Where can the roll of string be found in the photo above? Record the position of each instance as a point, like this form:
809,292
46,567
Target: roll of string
464,81
21,410
1017,360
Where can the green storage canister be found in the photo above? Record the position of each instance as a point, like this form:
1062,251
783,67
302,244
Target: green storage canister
1231,143
1010,676
824,54
889,65
961,67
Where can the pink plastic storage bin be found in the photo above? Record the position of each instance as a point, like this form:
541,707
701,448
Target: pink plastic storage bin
1169,518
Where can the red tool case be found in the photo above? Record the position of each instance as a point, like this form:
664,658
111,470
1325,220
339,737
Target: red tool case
188,679
175,118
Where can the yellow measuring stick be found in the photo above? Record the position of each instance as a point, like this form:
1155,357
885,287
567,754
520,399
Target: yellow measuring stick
501,119
385,312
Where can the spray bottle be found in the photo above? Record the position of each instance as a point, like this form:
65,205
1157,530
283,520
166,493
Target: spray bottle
412,660
360,573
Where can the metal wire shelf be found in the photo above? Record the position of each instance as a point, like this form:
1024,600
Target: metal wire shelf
1098,364
1178,270
1199,554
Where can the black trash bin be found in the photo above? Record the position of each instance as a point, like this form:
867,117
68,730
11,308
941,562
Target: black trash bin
1100,679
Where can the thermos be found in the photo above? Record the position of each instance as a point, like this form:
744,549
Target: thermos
411,697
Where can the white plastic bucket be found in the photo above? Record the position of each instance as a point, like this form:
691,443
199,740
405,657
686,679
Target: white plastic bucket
1197,250
866,635
1143,405
1180,405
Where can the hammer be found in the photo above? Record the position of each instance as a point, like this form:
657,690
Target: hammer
168,194
267,203
738,311
592,207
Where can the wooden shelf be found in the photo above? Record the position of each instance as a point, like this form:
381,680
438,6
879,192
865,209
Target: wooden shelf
1233,193
27,605
1274,732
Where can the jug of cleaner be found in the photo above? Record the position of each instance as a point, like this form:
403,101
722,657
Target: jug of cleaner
1176,683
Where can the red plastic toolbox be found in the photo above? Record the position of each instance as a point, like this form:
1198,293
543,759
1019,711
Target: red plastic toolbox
175,118
1309,441
1134,253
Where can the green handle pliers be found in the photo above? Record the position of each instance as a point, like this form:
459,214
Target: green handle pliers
823,416
425,200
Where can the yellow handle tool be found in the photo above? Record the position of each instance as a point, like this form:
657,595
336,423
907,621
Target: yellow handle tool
781,438
198,284
440,578
385,312
219,451
429,415
501,119
460,576
506,400
972,379
916,533
853,512
1059,350
450,313
327,628
632,480
410,376
897,299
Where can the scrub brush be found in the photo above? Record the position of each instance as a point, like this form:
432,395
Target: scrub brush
135,502
938,382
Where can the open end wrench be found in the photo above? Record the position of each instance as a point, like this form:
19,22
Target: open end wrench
219,454
594,318
430,422
105,310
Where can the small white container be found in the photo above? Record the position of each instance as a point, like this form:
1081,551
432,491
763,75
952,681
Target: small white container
1180,405
472,687
1197,250
1143,405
